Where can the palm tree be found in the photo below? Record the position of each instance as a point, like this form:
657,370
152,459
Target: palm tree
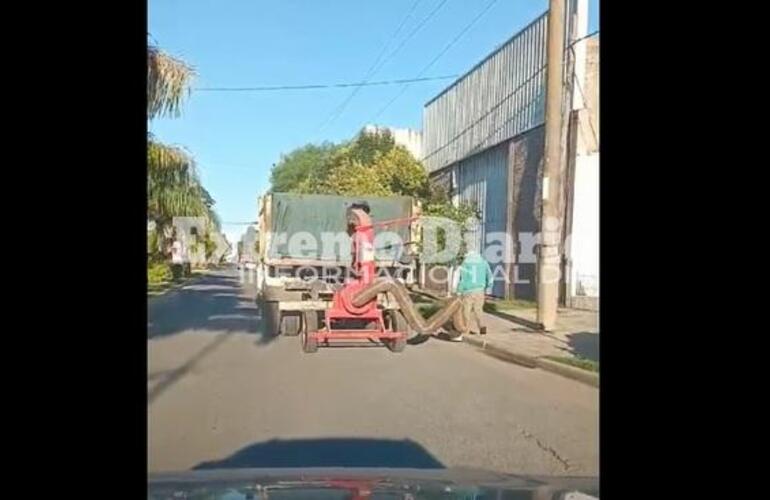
173,187
168,83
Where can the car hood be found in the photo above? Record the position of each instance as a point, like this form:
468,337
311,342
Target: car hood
375,483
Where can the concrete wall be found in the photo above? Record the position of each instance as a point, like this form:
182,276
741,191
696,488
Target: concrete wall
584,238
409,138
588,126
585,228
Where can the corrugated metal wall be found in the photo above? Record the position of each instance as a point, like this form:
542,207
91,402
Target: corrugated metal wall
469,126
499,98
482,181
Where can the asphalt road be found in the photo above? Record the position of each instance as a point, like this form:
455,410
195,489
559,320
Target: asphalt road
223,394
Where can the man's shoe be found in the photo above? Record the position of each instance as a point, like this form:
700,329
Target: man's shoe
459,338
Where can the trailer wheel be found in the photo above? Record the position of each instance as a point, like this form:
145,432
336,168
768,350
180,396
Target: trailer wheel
290,325
310,324
398,323
397,345
271,319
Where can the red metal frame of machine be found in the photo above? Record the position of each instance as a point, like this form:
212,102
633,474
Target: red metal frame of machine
364,272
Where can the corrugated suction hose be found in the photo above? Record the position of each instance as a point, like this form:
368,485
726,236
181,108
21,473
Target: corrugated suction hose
452,309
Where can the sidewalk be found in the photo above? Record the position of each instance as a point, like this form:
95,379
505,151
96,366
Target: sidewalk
513,335
576,333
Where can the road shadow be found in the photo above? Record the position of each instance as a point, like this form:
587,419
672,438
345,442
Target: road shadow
418,339
446,337
584,345
331,452
215,303
168,378
530,325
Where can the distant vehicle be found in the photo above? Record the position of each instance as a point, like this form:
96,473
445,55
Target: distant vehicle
247,265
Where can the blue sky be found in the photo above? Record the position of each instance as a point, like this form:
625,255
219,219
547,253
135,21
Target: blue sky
236,137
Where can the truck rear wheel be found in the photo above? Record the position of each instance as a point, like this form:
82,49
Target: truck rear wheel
309,325
271,318
290,325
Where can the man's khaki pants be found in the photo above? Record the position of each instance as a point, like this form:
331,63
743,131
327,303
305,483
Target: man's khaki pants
473,307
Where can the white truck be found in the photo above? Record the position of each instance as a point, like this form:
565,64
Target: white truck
304,254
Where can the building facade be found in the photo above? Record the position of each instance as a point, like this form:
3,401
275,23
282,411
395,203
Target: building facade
406,137
483,138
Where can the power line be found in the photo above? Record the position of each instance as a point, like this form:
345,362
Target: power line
405,40
323,86
574,42
374,66
370,72
439,56
414,31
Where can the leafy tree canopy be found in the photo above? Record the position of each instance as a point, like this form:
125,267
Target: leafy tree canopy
371,164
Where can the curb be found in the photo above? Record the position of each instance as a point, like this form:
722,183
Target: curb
504,354
585,376
527,361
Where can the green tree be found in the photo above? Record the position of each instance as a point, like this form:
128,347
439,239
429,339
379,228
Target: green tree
401,172
369,143
437,203
294,168
352,178
371,164
210,246
173,189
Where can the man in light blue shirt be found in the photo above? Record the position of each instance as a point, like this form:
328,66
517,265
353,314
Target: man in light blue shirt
475,280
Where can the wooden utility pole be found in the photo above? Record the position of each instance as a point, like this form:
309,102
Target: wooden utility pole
549,258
